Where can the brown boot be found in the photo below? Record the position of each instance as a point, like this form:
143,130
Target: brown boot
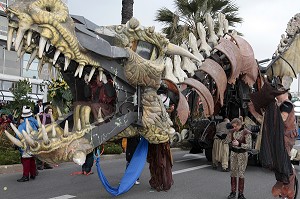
276,189
288,190
233,188
241,188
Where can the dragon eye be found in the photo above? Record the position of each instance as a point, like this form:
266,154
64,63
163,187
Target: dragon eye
146,50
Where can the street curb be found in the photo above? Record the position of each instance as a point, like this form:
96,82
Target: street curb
18,168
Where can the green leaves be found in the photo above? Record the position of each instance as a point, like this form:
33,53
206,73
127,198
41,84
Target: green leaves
20,91
189,12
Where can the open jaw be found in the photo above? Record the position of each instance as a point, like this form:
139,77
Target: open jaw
132,54
45,30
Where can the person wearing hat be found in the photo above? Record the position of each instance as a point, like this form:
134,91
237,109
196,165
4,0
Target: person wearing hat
27,160
279,131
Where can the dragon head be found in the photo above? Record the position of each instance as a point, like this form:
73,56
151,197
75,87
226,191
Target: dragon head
72,46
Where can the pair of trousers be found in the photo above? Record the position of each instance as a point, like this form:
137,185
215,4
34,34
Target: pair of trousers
29,166
220,153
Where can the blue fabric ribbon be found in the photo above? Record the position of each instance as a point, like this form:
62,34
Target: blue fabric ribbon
132,172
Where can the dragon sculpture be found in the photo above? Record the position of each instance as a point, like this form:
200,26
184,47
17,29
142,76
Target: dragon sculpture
210,74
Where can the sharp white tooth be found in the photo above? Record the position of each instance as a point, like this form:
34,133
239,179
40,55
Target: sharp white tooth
67,62
42,45
100,74
58,111
56,55
13,139
28,127
77,71
66,129
20,49
48,45
10,33
100,117
19,134
53,131
19,38
91,74
81,67
32,57
21,56
79,125
45,136
28,139
29,37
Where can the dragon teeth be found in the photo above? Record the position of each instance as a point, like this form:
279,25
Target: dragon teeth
56,55
10,33
29,37
42,45
67,62
19,38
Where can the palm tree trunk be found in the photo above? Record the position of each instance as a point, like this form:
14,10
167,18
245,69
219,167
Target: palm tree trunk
127,10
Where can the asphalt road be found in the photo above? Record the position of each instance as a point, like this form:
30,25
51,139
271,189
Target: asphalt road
193,177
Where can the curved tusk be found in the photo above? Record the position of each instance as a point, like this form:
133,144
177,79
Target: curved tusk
45,136
13,139
173,49
66,129
19,134
28,139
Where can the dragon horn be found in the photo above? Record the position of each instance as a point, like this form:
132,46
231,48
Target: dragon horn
13,139
173,49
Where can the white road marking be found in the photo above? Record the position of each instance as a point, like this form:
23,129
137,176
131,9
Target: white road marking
64,197
190,169
193,157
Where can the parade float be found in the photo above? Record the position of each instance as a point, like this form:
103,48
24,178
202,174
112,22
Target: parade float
207,77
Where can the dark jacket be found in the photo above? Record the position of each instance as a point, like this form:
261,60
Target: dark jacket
37,109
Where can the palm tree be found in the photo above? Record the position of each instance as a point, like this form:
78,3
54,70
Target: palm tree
188,13
127,10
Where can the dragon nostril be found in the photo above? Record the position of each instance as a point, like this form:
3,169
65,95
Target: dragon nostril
48,9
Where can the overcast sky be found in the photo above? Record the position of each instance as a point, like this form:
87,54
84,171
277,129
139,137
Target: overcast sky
264,20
